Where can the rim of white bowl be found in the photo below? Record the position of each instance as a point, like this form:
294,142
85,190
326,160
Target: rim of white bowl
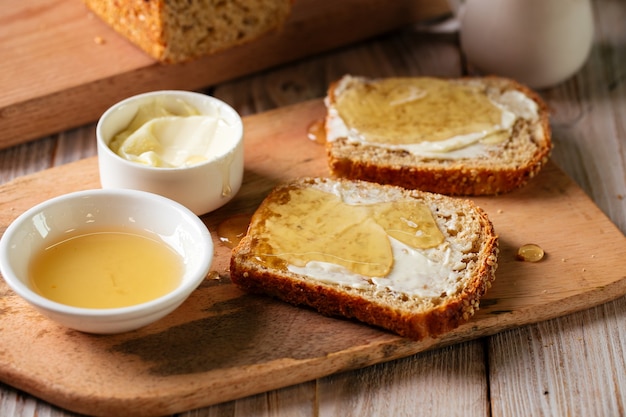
24,291
116,106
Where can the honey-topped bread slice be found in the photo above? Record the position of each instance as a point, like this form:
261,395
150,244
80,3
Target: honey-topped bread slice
466,136
411,262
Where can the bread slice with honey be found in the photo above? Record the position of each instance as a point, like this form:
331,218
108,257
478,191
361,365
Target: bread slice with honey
465,136
411,262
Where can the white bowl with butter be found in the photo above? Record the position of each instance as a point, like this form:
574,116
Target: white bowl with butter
183,145
106,261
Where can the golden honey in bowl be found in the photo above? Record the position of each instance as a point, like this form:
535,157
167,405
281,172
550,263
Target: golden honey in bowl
106,269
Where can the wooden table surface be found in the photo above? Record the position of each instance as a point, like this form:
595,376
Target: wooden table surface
574,365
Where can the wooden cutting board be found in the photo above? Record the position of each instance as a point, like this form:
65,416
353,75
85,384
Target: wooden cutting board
62,67
223,344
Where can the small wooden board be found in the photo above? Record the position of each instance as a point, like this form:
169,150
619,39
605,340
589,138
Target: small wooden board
62,67
223,344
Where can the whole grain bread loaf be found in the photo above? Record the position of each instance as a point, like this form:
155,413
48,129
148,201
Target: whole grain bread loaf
483,168
176,31
430,289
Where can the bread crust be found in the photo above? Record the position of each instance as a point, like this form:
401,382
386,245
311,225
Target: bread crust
336,300
176,31
461,177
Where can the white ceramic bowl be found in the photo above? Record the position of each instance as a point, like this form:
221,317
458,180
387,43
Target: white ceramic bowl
49,221
201,188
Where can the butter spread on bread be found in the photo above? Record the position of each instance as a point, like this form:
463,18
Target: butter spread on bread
414,263
467,136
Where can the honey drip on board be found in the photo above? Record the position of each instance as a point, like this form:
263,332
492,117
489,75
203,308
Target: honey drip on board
403,111
232,230
317,132
312,225
530,253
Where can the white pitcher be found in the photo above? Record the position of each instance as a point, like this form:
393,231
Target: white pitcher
537,42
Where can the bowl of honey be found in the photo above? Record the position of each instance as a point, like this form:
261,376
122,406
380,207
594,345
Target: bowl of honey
106,260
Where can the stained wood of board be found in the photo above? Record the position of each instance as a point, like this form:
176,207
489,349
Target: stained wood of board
223,344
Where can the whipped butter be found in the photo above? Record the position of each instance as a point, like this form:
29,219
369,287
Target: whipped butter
425,116
332,235
170,133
